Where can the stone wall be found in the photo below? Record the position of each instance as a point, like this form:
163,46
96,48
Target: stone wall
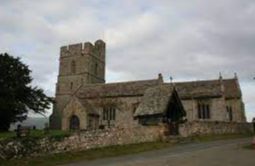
18,148
238,111
211,128
217,108
125,108
113,136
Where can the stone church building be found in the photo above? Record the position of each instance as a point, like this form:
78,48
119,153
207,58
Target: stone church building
84,101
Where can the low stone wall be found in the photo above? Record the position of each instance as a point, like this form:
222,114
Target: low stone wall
17,148
79,141
205,128
113,136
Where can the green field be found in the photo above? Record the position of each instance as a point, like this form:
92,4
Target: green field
36,134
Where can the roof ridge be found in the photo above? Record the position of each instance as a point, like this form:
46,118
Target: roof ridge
133,81
197,81
116,83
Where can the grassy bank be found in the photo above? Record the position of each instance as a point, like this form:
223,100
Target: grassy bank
110,151
36,134
206,138
91,154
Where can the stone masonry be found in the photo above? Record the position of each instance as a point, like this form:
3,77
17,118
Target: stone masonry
85,102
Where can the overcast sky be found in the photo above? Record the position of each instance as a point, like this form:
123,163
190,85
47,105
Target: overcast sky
185,39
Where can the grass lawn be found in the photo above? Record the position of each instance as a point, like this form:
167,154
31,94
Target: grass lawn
111,151
6,135
36,134
206,138
249,146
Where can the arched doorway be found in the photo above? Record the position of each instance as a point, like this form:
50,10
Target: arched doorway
175,114
74,123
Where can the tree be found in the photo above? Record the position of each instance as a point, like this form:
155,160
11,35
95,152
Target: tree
17,95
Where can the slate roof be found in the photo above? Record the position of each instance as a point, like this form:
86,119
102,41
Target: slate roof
199,89
208,88
154,101
186,90
121,89
232,88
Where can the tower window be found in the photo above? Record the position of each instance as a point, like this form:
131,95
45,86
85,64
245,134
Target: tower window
73,67
96,69
71,85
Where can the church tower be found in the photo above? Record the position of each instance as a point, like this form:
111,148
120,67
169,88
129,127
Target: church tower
79,64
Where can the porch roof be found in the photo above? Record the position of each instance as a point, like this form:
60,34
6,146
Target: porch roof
156,100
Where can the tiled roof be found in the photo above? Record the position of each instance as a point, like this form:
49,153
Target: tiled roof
186,90
121,89
231,88
208,88
154,101
197,89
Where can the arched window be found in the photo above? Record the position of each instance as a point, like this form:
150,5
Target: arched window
230,113
73,67
96,69
71,85
74,123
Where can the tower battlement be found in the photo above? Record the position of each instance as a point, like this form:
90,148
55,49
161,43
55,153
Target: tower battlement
87,48
80,64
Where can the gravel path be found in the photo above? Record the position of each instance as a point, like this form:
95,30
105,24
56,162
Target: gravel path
217,153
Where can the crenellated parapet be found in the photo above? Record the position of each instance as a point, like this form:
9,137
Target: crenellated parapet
87,48
82,63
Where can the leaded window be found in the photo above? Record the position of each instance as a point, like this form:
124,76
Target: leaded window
73,67
109,113
204,110
230,113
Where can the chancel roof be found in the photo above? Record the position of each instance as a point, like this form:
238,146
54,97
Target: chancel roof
232,88
199,89
209,88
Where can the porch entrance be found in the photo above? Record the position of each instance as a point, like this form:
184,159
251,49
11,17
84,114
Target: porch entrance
74,123
175,114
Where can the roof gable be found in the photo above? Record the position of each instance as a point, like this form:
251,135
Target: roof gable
156,100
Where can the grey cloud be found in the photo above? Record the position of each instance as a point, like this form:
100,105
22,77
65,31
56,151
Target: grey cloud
186,39
205,40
